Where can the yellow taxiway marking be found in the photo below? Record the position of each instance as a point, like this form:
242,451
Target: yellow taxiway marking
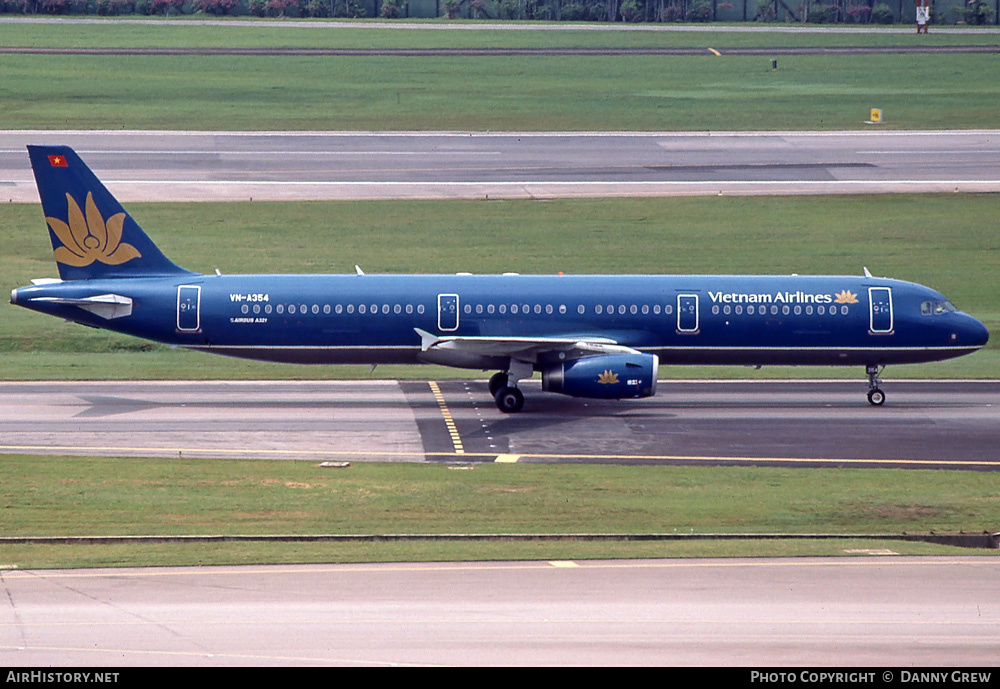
563,563
449,422
507,459
715,52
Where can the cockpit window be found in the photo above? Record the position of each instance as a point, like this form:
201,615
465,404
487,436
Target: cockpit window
935,308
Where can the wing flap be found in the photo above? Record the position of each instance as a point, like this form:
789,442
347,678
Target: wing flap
521,348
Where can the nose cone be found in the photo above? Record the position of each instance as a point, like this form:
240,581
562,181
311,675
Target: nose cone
973,333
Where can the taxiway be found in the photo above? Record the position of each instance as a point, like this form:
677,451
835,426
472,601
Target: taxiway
853,612
232,166
796,423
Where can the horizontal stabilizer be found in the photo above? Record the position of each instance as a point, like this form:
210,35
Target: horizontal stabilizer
106,306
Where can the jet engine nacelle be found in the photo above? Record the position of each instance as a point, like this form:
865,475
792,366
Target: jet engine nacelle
611,376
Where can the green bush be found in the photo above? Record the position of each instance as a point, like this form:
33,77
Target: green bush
882,14
672,13
767,13
391,9
699,11
824,14
977,12
318,8
631,11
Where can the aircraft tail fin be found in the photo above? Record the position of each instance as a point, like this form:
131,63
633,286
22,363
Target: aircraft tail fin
93,237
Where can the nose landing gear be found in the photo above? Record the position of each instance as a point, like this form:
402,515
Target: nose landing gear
876,397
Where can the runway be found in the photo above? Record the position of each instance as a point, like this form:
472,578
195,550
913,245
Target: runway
232,166
853,612
944,425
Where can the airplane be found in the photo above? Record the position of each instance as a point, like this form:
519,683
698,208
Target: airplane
590,336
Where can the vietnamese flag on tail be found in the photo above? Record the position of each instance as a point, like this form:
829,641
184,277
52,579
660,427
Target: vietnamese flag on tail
58,161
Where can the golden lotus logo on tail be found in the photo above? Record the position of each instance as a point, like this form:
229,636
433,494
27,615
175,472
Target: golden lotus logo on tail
846,297
607,378
88,238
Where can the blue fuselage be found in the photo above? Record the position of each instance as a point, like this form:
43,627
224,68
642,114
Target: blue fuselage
374,319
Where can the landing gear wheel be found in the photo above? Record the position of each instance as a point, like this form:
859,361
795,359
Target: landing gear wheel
876,397
498,381
509,400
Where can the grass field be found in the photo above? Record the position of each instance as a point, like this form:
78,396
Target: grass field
550,92
124,496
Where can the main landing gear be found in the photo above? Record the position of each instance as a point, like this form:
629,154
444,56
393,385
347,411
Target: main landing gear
876,397
503,387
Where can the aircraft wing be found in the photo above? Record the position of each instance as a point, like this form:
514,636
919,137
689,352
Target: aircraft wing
526,349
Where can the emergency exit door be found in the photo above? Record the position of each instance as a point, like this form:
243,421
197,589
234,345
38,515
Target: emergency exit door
447,312
188,308
880,299
687,313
